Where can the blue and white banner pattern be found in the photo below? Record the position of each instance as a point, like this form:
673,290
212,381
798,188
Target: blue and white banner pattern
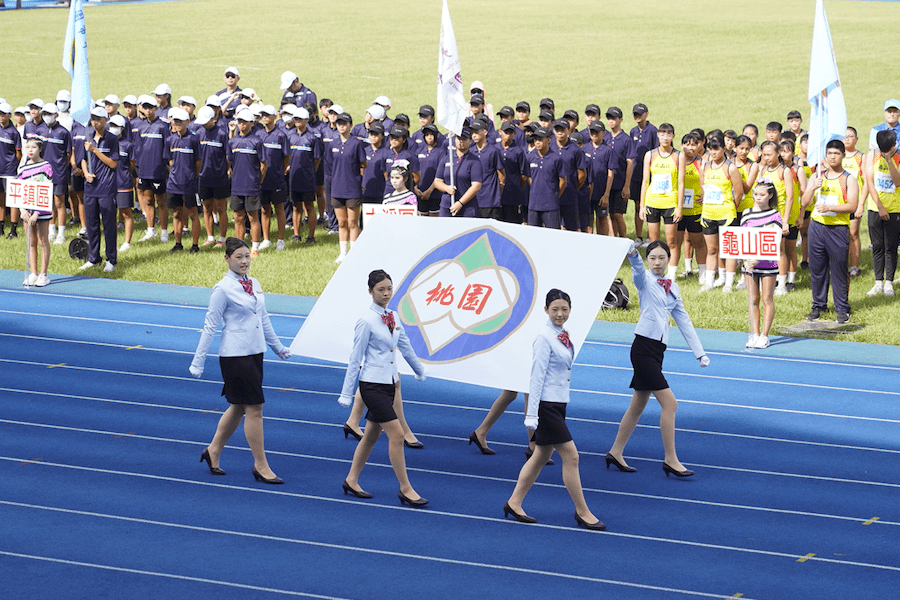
75,61
828,113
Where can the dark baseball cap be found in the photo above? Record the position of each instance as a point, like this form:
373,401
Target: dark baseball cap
523,106
548,102
546,115
570,114
639,109
465,134
399,131
561,123
592,109
376,127
426,110
401,118
343,117
506,111
430,128
477,125
576,137
476,99
614,112
542,132
508,126
597,126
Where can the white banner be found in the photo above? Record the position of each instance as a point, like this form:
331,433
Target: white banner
470,293
403,210
750,243
30,195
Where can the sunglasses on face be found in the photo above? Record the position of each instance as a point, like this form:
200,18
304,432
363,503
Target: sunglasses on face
230,75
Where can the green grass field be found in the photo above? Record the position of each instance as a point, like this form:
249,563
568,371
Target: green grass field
703,64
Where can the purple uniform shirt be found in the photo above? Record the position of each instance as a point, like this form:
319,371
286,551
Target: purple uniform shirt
184,152
213,156
429,161
79,135
245,154
466,170
545,172
491,162
621,146
347,158
645,139
391,156
275,149
329,134
514,165
305,148
149,149
10,141
124,181
572,159
417,141
57,146
599,167
104,184
373,181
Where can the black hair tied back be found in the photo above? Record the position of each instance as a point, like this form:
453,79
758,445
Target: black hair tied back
556,294
232,244
376,277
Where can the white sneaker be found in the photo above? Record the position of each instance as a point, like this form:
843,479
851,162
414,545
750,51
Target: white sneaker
265,244
762,342
781,291
60,239
30,279
124,247
340,259
51,236
149,235
42,280
727,289
888,288
82,231
88,265
164,235
741,284
719,282
109,267
878,288
705,287
751,341
279,245
638,242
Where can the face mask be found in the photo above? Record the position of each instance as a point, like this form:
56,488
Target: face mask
115,130
63,106
49,119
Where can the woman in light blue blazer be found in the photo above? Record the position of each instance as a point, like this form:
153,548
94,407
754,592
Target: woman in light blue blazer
373,367
237,300
659,298
545,414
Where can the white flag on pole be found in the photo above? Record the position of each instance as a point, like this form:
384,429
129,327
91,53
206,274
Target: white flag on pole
451,104
828,113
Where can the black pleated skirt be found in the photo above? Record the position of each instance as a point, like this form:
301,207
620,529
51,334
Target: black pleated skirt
243,377
647,360
551,427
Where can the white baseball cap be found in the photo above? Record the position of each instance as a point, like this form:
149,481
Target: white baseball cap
162,89
376,111
290,109
148,100
269,110
232,70
112,99
21,110
301,113
287,78
248,92
5,108
50,109
205,115
37,102
245,115
64,95
382,101
336,109
99,111
179,114
129,99
187,100
256,109
214,101
476,85
117,120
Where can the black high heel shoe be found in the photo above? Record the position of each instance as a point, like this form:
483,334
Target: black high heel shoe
521,518
421,502
668,469
348,431
414,445
598,526
529,452
473,439
212,469
357,493
610,459
273,481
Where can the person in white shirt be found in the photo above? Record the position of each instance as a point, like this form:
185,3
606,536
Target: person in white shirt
237,300
659,299
373,367
545,414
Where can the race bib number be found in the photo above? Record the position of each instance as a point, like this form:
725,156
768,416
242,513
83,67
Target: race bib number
713,195
688,198
660,183
823,200
884,184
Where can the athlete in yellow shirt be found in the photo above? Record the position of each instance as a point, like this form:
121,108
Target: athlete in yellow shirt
882,172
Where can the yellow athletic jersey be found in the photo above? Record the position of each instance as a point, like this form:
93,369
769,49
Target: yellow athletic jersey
776,177
718,195
795,207
884,185
747,200
662,189
693,193
853,163
833,191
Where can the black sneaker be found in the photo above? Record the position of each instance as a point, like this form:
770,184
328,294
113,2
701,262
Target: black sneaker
804,265
790,286
814,314
194,249
310,240
842,318
12,233
2,225
176,248
295,238
320,222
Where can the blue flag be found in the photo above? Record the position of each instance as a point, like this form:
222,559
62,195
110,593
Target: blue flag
828,113
75,61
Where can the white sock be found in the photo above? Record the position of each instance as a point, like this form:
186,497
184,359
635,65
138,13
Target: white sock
709,277
791,276
672,272
779,281
210,238
721,273
343,246
729,279
53,230
221,239
701,270
150,230
254,246
688,264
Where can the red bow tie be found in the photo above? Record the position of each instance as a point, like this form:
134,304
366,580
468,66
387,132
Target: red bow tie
666,283
248,285
388,319
564,338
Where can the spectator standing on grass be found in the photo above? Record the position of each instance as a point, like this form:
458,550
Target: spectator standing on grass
658,196
306,155
883,179
151,167
183,156
214,184
247,167
273,192
835,194
645,136
295,91
622,164
348,160
124,181
891,121
58,152
99,166
10,155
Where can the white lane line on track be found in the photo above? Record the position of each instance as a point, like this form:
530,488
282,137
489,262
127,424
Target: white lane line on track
76,563
493,478
469,408
428,513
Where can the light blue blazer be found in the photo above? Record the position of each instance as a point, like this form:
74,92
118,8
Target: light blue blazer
657,305
551,369
374,355
246,328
